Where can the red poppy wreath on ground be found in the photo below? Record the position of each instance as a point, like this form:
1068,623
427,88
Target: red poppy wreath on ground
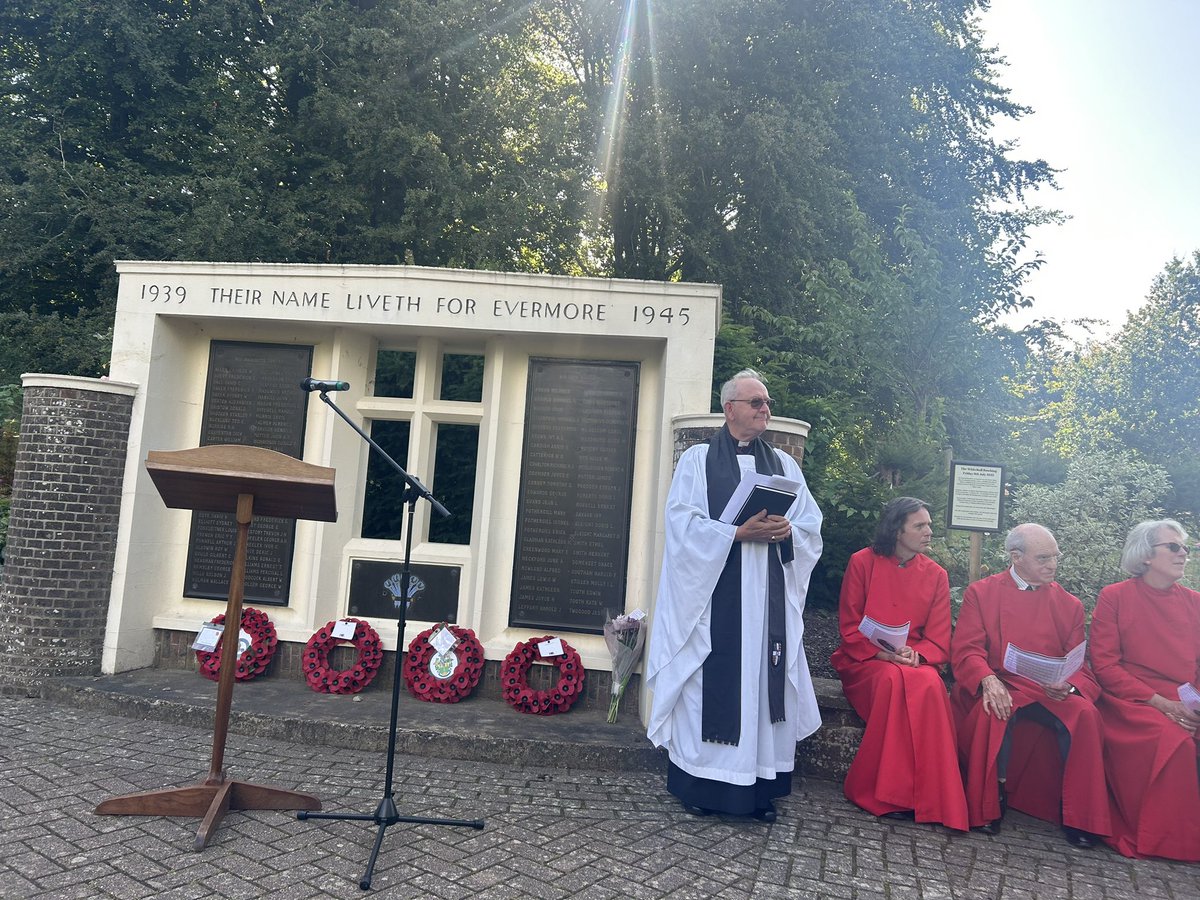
443,675
514,673
254,659
326,680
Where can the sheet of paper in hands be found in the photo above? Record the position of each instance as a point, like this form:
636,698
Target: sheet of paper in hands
1045,670
1189,697
886,637
756,492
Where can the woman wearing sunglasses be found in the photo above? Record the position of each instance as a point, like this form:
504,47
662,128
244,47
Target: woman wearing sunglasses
1145,644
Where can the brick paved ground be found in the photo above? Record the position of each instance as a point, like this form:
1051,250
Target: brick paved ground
550,832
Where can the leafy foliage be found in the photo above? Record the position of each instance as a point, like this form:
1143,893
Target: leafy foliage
1142,389
1105,493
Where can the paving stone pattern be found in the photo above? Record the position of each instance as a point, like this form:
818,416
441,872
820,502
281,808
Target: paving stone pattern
550,832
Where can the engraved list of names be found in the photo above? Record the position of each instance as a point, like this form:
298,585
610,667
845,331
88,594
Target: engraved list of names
576,486
253,397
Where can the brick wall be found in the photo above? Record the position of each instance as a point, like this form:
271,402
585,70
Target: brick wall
790,442
62,529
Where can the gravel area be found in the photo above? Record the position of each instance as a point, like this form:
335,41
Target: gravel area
821,638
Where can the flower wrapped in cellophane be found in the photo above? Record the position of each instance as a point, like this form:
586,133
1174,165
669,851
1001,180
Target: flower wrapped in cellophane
624,636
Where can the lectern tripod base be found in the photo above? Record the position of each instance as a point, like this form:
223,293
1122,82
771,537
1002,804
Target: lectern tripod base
211,801
230,479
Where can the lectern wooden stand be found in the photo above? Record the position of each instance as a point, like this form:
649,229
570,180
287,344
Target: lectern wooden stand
244,481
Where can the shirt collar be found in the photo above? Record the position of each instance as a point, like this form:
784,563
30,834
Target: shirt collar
1022,584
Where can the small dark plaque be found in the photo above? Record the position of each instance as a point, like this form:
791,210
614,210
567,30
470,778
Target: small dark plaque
252,397
374,585
575,493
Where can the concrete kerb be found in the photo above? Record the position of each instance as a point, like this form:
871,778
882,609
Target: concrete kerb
476,729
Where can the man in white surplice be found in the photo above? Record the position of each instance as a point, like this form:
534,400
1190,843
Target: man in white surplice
732,691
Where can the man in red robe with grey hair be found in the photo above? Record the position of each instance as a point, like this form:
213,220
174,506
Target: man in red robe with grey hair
1035,747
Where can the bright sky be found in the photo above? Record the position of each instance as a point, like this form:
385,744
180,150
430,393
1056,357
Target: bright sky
1115,88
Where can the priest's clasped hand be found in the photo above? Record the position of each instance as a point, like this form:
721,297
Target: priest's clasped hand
764,528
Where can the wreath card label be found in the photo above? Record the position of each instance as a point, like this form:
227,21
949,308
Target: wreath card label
208,637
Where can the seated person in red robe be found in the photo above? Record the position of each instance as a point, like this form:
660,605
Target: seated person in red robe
907,764
1035,746
1145,648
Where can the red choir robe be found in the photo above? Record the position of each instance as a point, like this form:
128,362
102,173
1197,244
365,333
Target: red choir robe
1146,642
907,759
1050,621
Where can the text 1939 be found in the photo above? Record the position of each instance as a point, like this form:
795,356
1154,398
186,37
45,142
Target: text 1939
164,293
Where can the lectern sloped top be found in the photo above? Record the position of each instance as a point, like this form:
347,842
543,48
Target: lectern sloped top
211,478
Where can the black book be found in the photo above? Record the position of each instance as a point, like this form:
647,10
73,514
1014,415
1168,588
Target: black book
773,500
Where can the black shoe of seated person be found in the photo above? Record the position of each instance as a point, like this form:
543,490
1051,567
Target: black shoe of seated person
1078,838
993,827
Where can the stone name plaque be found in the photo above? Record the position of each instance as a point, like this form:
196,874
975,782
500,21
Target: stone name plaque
375,590
252,397
575,494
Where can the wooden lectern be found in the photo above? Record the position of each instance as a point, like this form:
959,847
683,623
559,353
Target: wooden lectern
244,481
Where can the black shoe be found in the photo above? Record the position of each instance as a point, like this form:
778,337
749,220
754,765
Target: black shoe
993,827
696,810
899,814
1077,838
766,814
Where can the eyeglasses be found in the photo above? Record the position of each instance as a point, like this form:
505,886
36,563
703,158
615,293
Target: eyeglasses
1173,546
1045,558
757,402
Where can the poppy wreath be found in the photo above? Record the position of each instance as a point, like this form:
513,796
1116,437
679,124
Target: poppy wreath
520,696
424,684
315,661
256,657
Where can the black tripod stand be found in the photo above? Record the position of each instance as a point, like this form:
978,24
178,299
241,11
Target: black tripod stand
385,813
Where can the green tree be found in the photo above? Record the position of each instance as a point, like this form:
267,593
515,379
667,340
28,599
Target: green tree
1141,389
1104,494
381,132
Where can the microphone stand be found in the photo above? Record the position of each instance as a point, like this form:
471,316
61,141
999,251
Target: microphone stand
386,813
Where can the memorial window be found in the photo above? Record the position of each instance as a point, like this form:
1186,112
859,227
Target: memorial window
383,503
462,378
454,482
409,401
395,372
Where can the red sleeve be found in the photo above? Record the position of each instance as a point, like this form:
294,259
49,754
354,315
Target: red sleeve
969,648
851,604
1083,680
934,642
1105,650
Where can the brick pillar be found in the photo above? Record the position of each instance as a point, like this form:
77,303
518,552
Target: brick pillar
62,530
787,435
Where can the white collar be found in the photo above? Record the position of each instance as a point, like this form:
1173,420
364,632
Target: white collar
1021,582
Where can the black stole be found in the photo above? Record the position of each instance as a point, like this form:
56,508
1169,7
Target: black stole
722,681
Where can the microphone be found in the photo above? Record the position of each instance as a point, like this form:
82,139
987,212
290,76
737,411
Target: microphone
312,384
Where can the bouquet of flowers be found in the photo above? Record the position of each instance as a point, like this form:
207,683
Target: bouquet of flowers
624,637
